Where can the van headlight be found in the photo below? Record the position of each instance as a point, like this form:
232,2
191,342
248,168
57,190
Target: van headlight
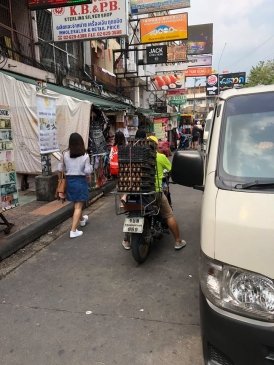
237,290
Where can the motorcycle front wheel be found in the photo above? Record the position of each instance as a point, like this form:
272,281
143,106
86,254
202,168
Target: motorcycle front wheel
140,243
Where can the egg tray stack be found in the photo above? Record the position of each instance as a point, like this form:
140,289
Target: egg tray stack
137,164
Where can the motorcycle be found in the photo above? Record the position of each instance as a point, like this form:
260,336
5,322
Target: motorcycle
143,223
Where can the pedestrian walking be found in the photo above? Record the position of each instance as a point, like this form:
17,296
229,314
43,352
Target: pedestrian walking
75,163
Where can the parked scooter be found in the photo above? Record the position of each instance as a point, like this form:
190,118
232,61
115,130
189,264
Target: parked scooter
143,223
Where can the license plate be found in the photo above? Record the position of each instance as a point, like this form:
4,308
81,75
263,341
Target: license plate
134,225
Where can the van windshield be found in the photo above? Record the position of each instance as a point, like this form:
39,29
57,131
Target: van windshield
248,139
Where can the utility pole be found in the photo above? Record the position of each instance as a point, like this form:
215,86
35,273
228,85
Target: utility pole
194,94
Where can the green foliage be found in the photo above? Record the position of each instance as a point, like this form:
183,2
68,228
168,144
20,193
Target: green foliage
262,74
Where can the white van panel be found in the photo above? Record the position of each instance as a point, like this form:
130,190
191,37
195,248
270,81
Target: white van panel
245,230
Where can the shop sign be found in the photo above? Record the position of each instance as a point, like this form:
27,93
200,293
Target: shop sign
177,53
48,4
8,184
156,54
164,28
46,111
198,71
169,81
212,85
152,6
228,81
192,61
177,100
176,92
106,19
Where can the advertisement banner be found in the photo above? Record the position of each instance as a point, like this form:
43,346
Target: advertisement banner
176,92
106,19
159,126
164,28
156,54
8,184
177,100
198,71
200,39
46,111
177,53
169,81
152,6
228,81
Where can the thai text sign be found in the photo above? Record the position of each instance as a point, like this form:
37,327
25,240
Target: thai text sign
106,19
152,6
228,81
164,28
177,100
47,4
198,71
8,186
46,110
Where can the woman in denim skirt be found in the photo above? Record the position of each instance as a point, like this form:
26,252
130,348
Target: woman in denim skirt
77,168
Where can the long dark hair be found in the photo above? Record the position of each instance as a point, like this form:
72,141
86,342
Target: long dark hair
76,145
119,139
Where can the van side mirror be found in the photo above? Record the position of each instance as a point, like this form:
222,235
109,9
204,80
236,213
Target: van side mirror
188,169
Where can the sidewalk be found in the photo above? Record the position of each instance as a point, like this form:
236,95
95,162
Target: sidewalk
34,218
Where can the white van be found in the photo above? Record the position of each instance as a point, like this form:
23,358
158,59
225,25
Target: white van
237,227
207,129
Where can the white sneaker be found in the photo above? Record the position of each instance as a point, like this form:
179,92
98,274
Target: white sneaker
74,234
84,221
179,245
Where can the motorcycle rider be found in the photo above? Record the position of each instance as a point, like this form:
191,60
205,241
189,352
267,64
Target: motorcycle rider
166,212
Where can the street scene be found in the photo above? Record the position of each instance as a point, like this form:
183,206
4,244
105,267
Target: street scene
89,302
136,182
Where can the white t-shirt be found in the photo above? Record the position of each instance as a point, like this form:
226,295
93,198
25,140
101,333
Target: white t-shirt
75,166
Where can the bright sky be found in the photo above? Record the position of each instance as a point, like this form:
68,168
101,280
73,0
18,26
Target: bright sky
243,31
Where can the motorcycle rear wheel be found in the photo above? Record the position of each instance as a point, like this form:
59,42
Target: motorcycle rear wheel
140,244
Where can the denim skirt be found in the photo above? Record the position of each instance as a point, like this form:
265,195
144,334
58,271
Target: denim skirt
77,188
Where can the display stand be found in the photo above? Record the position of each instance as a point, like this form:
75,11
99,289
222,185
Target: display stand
6,223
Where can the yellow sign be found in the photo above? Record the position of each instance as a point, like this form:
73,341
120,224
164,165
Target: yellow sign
164,28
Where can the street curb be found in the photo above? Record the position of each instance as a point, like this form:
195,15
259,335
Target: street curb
20,239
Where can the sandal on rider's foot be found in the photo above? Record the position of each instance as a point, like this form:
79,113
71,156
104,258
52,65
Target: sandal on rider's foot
180,244
126,245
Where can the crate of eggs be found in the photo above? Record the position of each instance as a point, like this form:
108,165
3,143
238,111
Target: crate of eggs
137,164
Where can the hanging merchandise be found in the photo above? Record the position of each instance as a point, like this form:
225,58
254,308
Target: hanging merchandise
8,185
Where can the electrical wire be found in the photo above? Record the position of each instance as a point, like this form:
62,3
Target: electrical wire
252,51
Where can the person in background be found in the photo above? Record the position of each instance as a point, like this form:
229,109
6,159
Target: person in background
77,168
119,140
195,133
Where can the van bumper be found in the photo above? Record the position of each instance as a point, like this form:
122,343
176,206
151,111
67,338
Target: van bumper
229,339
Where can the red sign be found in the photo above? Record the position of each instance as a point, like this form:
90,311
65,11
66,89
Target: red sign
198,71
48,4
176,92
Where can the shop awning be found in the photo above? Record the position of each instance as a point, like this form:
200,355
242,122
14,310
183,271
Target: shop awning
99,101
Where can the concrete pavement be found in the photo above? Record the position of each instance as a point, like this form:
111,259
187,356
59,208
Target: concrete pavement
36,218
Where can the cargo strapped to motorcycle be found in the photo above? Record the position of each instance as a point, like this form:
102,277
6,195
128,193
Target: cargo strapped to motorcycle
143,203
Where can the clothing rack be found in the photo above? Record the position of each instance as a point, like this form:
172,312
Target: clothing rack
6,223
